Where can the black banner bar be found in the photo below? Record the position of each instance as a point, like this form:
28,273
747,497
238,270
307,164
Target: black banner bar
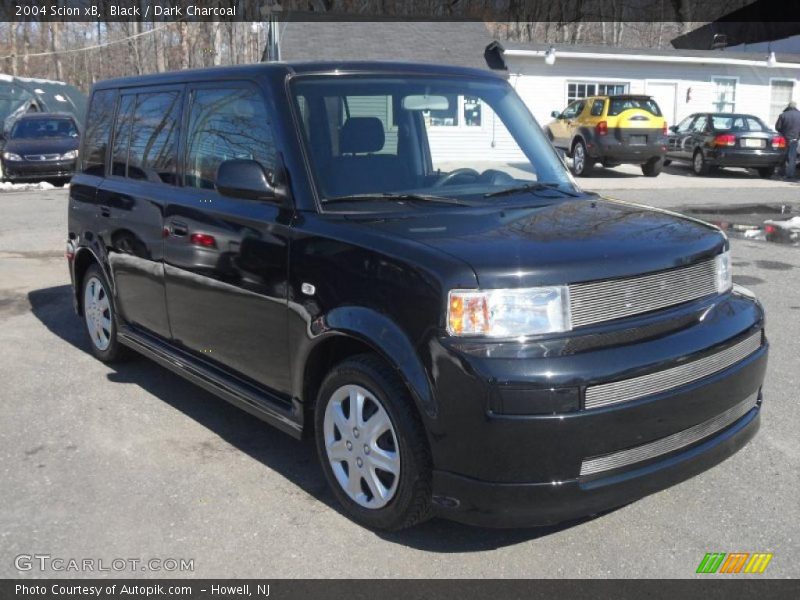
562,11
712,588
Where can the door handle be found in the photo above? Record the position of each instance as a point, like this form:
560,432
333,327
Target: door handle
178,229
105,211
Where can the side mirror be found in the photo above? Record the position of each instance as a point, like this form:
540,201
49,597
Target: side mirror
556,114
673,128
245,179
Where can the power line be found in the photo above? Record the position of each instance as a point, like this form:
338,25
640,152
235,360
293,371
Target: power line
94,46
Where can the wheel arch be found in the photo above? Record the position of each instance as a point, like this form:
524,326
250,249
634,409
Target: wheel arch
355,330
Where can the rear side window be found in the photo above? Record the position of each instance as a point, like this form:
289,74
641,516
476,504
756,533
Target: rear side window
597,107
99,121
617,105
152,153
226,124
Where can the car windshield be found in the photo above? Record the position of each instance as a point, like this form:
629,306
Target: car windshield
44,128
736,123
618,105
417,139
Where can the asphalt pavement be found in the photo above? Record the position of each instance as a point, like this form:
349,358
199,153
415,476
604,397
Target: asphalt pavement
131,461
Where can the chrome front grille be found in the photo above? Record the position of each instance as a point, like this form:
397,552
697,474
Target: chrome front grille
606,394
598,301
682,439
42,156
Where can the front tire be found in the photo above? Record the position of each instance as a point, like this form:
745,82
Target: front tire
99,317
372,445
652,167
581,162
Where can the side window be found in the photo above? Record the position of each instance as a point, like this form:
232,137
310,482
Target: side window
122,135
154,137
700,124
226,124
572,110
597,107
98,130
685,125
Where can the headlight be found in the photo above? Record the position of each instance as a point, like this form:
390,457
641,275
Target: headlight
508,313
11,156
722,264
69,155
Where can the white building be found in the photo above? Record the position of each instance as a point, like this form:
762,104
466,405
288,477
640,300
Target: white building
682,81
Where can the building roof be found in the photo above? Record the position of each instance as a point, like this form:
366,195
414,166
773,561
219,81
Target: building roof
651,54
459,43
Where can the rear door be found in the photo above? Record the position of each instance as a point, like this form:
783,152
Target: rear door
143,173
226,259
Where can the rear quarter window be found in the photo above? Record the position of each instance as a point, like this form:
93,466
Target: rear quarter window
618,105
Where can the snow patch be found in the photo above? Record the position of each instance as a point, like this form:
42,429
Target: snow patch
6,186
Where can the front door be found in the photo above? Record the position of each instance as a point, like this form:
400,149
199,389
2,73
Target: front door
226,259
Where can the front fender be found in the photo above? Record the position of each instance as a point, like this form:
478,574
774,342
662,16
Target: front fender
384,336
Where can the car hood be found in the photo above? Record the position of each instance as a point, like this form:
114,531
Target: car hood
41,146
566,242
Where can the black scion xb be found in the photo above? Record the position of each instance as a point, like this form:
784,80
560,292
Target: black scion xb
347,251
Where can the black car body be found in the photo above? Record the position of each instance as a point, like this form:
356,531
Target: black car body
710,140
41,146
541,353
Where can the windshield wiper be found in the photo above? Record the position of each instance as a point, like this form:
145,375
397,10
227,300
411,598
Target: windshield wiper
387,197
532,187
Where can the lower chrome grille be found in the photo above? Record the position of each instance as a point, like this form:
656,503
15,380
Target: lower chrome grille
598,301
615,392
682,439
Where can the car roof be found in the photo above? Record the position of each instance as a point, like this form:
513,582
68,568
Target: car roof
291,68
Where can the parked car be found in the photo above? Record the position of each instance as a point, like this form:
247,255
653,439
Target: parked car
491,345
711,140
611,130
41,146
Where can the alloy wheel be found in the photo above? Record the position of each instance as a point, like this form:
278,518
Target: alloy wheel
97,313
362,446
578,158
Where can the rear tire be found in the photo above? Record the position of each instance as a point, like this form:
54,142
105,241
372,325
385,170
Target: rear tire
652,167
99,317
699,164
766,172
366,425
582,164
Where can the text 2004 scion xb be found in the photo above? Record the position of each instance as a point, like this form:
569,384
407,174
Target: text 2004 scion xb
393,259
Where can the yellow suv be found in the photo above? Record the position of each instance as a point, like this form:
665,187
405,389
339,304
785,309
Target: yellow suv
611,130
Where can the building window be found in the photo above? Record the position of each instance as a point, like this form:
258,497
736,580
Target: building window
581,89
461,111
780,94
724,94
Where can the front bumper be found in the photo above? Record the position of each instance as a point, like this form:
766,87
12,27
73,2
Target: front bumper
744,158
518,505
27,170
500,469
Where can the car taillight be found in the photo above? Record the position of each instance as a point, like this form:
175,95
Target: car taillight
769,229
726,139
203,239
601,128
664,128
778,141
